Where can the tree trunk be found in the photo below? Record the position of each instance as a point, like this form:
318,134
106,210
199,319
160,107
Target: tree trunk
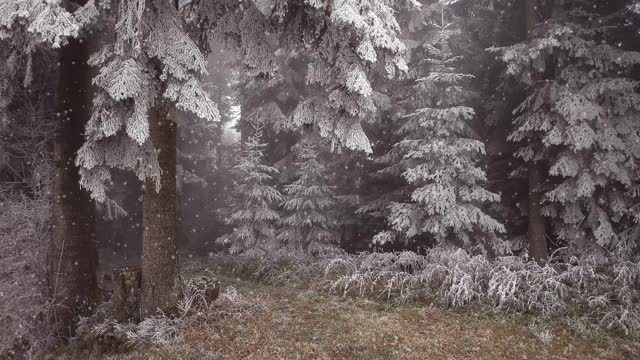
72,257
160,282
536,230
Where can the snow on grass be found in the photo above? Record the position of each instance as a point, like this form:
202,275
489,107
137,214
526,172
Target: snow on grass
591,293
289,323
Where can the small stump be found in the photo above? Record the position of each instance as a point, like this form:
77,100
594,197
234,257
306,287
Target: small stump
127,282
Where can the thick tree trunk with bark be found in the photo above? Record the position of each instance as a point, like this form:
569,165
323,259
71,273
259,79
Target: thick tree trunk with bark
160,278
72,257
536,234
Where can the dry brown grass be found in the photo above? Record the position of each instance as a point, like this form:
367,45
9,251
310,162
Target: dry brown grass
294,324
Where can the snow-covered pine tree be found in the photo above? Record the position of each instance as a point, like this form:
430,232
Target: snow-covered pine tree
254,203
347,39
579,118
341,43
147,77
439,155
310,224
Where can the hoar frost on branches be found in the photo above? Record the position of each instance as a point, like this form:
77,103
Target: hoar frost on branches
46,21
310,223
583,123
254,203
439,156
151,64
26,25
346,38
343,99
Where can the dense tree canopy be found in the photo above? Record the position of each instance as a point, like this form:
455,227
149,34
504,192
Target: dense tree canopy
263,127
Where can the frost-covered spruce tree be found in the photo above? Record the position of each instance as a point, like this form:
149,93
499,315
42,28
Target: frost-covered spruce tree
147,77
310,222
254,202
439,157
579,117
346,40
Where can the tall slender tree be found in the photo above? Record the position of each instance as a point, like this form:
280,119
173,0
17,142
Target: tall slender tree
310,220
160,273
255,200
147,77
536,231
577,119
439,156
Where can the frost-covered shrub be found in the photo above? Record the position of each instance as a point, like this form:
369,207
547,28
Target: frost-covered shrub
590,293
24,310
111,336
278,268
198,294
232,304
158,330
101,331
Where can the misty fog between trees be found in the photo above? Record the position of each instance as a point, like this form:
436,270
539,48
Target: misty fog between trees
163,162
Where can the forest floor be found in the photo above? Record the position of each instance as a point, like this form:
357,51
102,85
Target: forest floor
286,323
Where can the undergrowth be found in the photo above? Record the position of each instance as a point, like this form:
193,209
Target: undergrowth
590,294
24,310
105,334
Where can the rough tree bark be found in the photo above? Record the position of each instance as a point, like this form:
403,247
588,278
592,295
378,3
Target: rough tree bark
536,228
160,280
160,273
72,257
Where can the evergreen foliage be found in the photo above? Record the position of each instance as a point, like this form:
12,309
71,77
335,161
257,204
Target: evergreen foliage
438,156
254,213
27,26
345,39
579,119
310,224
151,64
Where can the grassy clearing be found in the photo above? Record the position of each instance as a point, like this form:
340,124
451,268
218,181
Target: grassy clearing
287,323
